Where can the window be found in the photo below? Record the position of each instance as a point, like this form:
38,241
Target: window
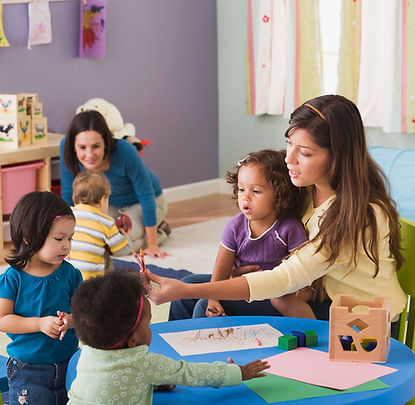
330,25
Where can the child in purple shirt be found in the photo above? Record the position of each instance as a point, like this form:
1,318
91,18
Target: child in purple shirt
266,230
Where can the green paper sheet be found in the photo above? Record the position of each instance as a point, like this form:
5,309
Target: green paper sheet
273,388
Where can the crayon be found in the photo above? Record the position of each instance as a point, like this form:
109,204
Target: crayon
137,259
142,260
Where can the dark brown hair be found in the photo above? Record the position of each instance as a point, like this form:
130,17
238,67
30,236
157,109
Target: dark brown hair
355,178
30,223
104,308
288,198
86,121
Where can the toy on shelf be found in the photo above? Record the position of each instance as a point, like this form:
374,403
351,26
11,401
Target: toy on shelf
359,330
308,338
21,120
114,120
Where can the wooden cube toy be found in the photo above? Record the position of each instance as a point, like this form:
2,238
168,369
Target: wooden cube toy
365,325
39,130
12,104
287,342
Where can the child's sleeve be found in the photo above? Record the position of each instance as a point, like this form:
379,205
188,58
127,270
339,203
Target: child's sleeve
8,285
228,239
164,370
115,240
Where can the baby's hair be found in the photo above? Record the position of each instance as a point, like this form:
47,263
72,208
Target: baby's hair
288,198
89,187
30,223
104,308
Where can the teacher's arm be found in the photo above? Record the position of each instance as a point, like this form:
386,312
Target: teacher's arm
66,176
171,289
153,248
298,271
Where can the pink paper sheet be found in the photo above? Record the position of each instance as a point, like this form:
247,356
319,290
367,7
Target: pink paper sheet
314,367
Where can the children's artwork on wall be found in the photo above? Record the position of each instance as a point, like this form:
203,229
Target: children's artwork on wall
40,26
215,340
3,39
92,29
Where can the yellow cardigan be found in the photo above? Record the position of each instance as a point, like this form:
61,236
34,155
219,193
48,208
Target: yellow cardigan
305,266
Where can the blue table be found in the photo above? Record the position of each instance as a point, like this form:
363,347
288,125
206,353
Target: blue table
402,382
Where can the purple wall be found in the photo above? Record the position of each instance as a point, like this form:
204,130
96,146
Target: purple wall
160,71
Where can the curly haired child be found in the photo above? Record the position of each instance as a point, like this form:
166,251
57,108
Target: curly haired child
266,230
35,295
111,315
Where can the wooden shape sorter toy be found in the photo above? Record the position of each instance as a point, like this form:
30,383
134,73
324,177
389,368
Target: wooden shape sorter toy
364,325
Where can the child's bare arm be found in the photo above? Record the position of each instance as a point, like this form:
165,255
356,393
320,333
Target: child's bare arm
12,323
225,260
253,369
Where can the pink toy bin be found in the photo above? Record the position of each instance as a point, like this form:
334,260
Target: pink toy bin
16,181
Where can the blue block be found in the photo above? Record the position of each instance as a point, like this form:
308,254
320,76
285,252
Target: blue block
300,337
346,342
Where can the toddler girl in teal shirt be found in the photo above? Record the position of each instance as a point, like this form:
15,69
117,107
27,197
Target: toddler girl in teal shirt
35,295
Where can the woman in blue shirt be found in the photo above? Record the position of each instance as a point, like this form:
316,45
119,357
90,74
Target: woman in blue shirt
136,191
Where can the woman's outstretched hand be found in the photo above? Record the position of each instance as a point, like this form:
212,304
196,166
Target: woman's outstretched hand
169,289
155,252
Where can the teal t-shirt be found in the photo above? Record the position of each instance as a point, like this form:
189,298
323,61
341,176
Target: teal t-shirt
38,297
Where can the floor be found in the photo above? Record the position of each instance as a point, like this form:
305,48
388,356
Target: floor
195,210
201,209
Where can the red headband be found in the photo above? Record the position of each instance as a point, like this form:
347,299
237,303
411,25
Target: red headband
316,110
132,329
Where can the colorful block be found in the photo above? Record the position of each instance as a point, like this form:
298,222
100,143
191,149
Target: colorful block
287,342
300,337
346,342
311,338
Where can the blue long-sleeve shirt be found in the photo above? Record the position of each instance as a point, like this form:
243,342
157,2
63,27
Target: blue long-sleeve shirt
131,181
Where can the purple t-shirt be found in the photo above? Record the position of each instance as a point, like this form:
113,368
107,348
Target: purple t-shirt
268,249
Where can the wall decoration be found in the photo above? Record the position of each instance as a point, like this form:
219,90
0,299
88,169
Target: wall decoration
92,29
40,27
3,39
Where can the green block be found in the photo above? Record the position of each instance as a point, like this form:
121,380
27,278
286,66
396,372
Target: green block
287,342
311,338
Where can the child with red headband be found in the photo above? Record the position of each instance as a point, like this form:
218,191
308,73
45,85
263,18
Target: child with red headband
111,316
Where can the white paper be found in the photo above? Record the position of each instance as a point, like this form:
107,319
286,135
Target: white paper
200,341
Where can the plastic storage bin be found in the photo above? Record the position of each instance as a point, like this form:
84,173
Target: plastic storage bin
16,181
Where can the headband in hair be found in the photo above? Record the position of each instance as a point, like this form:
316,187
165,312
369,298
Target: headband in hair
316,110
132,329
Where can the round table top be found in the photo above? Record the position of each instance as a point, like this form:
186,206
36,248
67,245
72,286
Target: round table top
401,382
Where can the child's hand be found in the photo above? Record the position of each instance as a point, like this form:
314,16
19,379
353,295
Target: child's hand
66,322
164,387
214,309
50,325
238,271
253,369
